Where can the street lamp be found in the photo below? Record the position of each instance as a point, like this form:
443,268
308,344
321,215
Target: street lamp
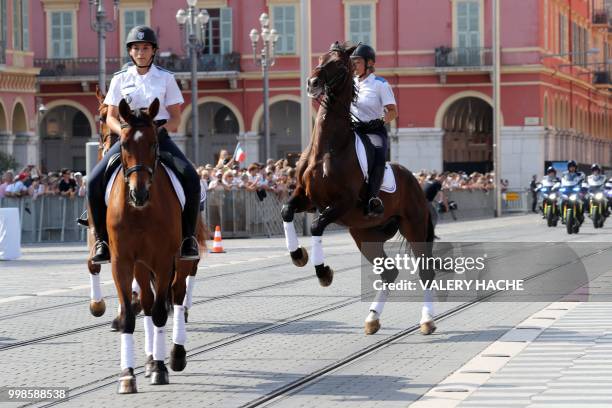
101,26
194,20
265,59
42,110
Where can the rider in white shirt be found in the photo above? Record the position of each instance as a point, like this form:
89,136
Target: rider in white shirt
373,108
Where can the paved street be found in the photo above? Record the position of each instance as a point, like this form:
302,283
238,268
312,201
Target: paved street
264,332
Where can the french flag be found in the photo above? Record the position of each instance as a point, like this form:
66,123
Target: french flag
239,154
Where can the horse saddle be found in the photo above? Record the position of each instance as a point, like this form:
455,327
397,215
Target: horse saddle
366,161
110,179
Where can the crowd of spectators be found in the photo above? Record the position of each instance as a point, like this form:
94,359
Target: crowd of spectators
271,177
31,182
460,180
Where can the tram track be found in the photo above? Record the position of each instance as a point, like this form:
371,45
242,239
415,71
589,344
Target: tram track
295,386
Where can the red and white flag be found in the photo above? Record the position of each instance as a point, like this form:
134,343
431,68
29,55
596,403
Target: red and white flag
239,154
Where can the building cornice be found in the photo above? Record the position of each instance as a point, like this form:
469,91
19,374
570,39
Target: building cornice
49,5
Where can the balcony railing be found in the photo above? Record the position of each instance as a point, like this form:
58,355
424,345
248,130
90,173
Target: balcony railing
462,57
600,16
2,53
57,67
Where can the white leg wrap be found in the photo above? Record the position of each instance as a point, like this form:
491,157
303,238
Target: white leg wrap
149,331
189,292
135,286
96,290
119,308
159,343
379,301
127,350
427,312
179,334
290,236
317,251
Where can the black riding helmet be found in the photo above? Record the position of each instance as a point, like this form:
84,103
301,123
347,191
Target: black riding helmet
366,52
142,34
572,163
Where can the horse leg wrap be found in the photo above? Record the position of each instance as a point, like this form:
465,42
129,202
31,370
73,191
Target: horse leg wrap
317,250
379,301
291,238
159,343
127,351
179,334
427,312
96,291
189,292
149,333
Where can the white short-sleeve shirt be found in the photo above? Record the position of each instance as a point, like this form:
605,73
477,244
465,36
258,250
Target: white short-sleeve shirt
141,90
374,93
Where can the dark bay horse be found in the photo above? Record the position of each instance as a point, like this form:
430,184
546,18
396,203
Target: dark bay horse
144,229
330,180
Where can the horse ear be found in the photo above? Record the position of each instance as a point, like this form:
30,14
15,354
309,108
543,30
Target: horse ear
124,110
153,108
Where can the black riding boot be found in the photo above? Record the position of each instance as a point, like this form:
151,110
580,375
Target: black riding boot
174,158
375,205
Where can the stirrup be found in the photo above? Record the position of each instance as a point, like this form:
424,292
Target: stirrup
189,249
83,220
375,207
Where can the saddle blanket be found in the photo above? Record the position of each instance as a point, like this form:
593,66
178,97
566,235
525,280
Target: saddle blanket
176,184
388,184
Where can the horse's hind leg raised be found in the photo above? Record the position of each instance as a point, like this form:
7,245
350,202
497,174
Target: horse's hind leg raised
297,203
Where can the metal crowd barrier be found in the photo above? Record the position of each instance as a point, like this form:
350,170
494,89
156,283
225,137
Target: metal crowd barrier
516,201
240,213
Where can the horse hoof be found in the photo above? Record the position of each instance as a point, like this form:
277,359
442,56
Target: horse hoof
115,324
136,306
178,359
186,314
97,308
299,257
428,328
127,382
149,365
325,275
372,323
159,374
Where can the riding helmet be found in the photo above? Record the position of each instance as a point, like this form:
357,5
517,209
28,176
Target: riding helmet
551,169
571,163
364,51
595,166
141,34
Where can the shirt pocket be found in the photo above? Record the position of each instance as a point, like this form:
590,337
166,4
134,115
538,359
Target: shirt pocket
157,89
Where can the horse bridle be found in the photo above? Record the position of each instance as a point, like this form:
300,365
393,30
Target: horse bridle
139,167
113,137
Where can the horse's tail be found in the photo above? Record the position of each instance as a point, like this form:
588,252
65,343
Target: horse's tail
202,233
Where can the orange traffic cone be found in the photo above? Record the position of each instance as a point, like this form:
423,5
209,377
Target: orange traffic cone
217,244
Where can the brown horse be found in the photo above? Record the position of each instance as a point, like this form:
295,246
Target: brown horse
144,228
330,180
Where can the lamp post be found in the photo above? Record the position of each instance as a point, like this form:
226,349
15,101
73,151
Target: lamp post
41,111
101,26
265,59
194,20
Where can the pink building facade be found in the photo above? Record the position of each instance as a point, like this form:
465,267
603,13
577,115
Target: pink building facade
434,53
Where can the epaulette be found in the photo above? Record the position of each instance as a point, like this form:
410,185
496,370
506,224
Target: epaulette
381,79
164,69
120,72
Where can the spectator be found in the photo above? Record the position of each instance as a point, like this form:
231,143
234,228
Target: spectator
7,179
36,188
67,186
217,183
81,184
17,188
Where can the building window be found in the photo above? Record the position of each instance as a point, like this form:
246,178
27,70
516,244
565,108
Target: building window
21,24
3,23
284,23
133,18
218,39
563,34
468,33
62,45
360,18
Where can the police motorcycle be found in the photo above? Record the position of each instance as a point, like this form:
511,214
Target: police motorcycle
548,190
572,191
608,193
598,199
